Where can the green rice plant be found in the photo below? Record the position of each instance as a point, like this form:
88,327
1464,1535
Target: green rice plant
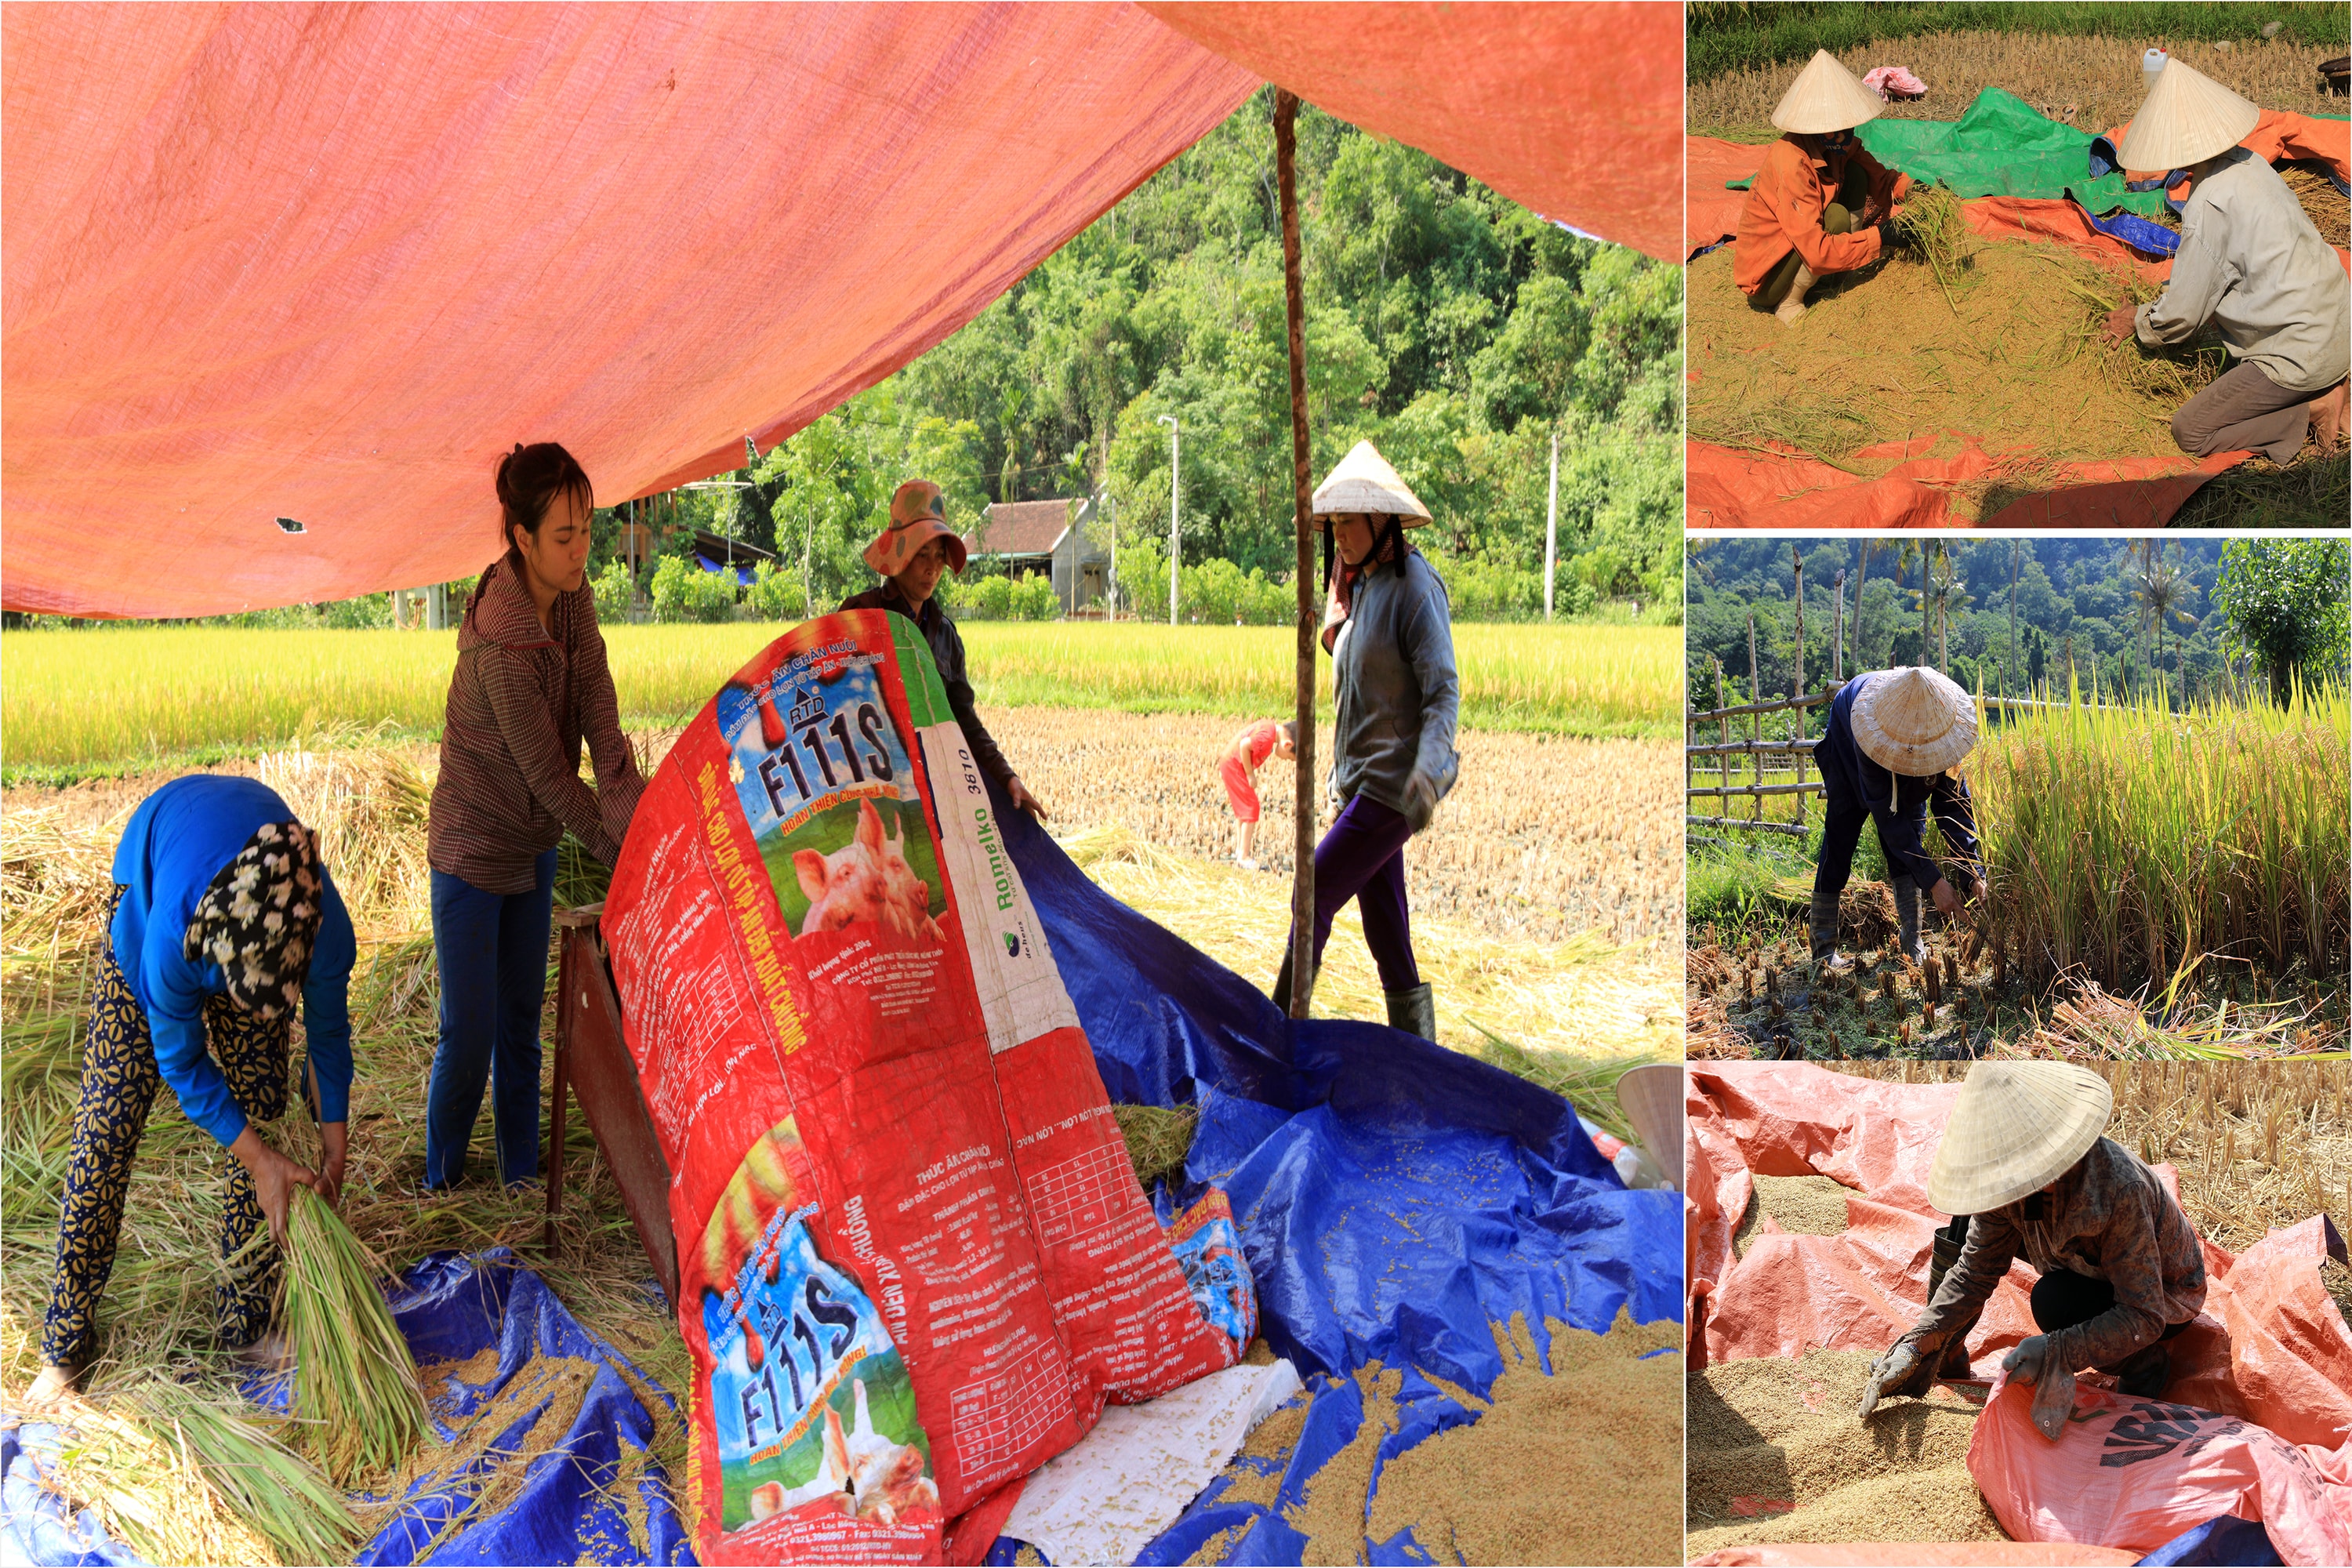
273,1491
84,701
355,1387
2141,843
148,1493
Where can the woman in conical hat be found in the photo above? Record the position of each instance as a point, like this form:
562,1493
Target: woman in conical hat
2026,1171
1894,738
1820,203
1389,630
2252,267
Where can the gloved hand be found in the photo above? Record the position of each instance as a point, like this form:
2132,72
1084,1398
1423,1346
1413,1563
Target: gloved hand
1902,1371
1892,236
2054,1385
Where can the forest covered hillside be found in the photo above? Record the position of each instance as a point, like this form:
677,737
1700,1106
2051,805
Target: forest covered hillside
1450,326
2131,613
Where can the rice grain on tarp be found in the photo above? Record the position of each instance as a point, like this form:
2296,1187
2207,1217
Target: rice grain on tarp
1331,1514
1802,1206
1777,1454
1579,1464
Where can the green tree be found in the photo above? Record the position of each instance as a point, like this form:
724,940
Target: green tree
2286,604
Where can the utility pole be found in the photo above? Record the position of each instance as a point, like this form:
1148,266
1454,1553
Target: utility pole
1175,539
1551,524
1110,505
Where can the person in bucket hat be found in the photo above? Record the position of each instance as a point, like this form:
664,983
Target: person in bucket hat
2025,1169
1390,631
2252,268
1820,203
1887,756
910,554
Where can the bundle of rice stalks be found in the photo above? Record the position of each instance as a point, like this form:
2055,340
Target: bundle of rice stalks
1157,1140
147,1492
272,1491
355,1386
2327,208
1931,220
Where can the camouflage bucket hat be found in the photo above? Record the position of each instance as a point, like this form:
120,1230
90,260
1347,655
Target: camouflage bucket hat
918,515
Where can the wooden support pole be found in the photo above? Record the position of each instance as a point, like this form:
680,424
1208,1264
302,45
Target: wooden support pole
1755,700
1302,883
1797,677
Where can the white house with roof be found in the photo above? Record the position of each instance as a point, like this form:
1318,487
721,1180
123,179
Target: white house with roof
1030,538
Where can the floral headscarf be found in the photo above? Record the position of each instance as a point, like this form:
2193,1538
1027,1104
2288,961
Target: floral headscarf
258,919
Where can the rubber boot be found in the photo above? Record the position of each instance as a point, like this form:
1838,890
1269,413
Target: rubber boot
2142,1375
1827,959
1413,1010
1793,305
1906,915
1281,993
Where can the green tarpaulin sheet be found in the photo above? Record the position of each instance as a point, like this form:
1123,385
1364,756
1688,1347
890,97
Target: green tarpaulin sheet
2002,147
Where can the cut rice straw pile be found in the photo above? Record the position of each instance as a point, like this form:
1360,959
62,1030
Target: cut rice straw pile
355,1387
1932,220
2001,345
271,1490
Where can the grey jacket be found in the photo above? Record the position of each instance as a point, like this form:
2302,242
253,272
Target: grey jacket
1398,696
2251,263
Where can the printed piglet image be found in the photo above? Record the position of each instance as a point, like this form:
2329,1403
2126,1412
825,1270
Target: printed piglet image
866,879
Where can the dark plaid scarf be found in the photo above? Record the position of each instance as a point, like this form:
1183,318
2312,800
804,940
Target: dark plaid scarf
1390,547
258,919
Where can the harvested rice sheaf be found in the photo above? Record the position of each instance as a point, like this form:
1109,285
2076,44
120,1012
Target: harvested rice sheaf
1778,1455
1158,1139
355,1386
2011,354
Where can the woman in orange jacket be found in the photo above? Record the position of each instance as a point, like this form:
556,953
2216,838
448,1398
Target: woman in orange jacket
1820,203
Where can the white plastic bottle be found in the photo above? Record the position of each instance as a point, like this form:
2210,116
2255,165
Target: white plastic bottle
2151,66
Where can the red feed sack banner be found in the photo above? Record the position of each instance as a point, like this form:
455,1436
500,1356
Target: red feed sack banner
914,1259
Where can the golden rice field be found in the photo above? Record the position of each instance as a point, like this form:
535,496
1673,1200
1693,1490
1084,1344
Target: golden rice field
101,698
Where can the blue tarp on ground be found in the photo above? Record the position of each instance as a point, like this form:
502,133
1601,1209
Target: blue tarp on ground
2223,1543
1394,1199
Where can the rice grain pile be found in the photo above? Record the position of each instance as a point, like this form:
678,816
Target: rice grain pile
1801,1206
1573,1464
2010,353
1777,1454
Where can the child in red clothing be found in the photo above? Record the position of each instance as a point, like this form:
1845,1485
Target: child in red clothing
1238,769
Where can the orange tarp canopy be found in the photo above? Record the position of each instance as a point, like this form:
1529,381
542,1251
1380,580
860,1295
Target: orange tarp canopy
326,263
1574,110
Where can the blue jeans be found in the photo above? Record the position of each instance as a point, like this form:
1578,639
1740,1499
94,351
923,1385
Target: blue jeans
492,950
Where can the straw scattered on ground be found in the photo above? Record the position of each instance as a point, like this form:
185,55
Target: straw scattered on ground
1777,1454
2329,210
2093,84
1800,1205
2010,353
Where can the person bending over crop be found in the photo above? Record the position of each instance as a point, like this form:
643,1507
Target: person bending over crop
1820,203
2024,1170
531,683
1390,631
1237,769
2252,267
224,920
910,554
1887,756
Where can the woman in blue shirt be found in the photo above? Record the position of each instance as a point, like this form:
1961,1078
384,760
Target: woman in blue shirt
224,920
1892,737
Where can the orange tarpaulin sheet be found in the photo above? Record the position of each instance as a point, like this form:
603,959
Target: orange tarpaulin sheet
1574,110
327,262
2269,1346
1732,487
2279,136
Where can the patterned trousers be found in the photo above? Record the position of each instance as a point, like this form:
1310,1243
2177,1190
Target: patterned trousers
119,1080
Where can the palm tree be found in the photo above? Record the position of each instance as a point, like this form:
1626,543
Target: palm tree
2016,550
1861,581
2164,591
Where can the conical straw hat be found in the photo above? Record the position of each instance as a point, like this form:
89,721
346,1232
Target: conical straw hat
1825,97
1914,722
2188,117
2017,1127
1651,1096
1364,482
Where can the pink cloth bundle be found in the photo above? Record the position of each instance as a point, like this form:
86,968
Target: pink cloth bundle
1894,83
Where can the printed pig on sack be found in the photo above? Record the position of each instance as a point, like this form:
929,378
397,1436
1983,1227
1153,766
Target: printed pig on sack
913,1261
2136,1473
